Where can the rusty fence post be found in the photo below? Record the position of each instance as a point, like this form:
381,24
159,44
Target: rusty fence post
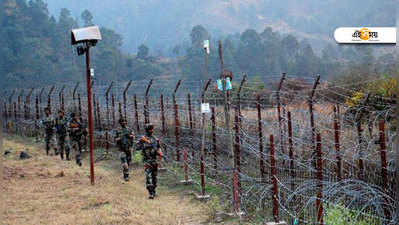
187,179
319,200
37,108
260,135
40,101
359,129
80,107
61,98
99,116
237,172
177,122
312,125
10,104
146,106
28,104
125,99
5,111
49,98
337,144
190,118
214,148
162,116
136,114
95,111
280,126
74,97
108,118
19,104
291,152
113,110
237,146
273,173
120,110
384,171
244,78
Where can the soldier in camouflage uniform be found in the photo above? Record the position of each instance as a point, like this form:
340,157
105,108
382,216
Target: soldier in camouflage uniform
150,150
76,131
48,123
125,139
61,125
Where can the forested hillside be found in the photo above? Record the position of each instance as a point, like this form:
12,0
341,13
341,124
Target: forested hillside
160,23
35,48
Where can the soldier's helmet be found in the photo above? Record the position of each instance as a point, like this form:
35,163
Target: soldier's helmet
121,120
149,126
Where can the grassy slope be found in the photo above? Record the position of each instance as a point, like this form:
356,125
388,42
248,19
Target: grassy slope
36,193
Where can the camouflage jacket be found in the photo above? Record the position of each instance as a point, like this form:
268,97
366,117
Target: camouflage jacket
150,149
61,125
125,140
48,123
76,130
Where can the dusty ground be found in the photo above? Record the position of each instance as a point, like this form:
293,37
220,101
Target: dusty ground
46,190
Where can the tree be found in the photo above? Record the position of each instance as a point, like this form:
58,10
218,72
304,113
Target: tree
143,52
87,18
198,35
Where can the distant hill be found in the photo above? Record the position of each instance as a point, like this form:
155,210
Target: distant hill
162,23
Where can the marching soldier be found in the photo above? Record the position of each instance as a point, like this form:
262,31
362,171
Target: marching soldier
76,131
48,123
150,150
61,124
124,139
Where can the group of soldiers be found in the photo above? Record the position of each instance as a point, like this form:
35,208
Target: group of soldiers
124,137
62,126
150,151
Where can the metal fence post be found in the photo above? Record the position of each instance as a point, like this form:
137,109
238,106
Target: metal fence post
273,173
260,135
319,200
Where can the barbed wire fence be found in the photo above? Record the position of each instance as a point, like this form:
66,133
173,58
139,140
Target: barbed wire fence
299,150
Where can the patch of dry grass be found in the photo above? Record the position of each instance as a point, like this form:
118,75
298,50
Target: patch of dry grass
46,190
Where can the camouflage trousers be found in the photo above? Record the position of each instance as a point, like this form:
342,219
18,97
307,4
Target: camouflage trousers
151,172
50,140
76,145
126,159
62,146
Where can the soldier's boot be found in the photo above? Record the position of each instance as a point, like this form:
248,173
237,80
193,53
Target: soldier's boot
67,150
151,192
78,161
62,155
126,176
56,151
125,171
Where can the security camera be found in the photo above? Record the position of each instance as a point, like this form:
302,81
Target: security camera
88,35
